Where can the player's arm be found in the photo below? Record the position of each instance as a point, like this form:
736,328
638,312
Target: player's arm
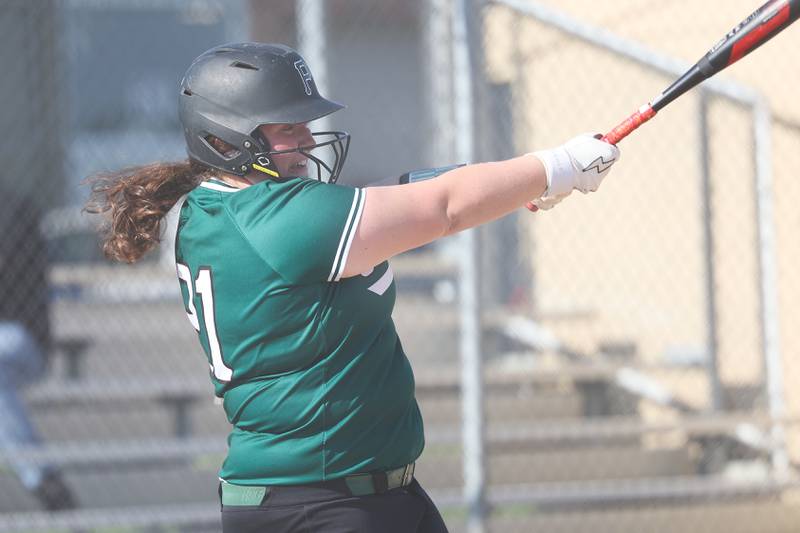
400,218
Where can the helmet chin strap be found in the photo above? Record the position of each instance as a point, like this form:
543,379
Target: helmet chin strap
262,165
263,161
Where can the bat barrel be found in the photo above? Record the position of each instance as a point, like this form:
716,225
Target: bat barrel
761,26
765,23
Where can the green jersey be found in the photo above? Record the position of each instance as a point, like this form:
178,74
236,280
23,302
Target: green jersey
314,378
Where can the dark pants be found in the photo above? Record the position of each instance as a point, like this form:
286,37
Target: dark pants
329,507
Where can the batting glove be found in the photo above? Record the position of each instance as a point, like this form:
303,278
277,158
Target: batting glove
579,164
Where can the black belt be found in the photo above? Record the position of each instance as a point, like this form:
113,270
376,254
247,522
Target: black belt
376,482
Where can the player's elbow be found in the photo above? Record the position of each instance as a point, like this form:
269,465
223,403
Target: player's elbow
450,222
442,215
455,216
434,210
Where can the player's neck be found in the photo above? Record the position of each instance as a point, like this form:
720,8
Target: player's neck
240,182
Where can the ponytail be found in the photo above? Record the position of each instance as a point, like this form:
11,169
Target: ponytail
133,202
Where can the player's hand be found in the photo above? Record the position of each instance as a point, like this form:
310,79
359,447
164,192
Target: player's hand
580,164
545,202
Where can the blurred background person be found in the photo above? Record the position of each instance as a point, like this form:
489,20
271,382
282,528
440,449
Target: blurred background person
24,342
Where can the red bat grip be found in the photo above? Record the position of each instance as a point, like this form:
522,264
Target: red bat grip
627,126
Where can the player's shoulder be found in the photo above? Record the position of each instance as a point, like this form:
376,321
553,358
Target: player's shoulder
214,191
268,198
285,195
209,193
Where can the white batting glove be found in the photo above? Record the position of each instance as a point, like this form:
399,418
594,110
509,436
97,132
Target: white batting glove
579,164
546,202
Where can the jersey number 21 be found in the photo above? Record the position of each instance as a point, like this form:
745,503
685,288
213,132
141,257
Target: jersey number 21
204,287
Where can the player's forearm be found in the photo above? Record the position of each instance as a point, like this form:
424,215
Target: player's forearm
403,217
480,193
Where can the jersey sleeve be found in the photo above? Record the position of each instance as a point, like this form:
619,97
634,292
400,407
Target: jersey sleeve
303,230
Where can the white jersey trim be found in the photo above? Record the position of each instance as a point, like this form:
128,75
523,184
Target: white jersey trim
385,281
218,187
352,234
349,232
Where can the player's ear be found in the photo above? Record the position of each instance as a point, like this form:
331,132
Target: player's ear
226,150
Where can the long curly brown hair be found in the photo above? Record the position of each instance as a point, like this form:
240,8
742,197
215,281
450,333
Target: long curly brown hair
134,201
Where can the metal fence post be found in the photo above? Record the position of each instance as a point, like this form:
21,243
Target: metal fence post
768,283
312,40
712,363
439,74
469,287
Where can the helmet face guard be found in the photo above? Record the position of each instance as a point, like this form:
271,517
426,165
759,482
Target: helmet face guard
231,90
334,143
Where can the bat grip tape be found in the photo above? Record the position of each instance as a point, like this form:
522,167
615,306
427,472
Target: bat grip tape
627,126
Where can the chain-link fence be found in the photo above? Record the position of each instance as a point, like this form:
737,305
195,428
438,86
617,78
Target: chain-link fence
637,344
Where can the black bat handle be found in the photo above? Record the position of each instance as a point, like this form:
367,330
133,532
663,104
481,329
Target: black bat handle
693,77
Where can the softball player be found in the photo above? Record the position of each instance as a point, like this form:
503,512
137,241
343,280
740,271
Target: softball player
284,275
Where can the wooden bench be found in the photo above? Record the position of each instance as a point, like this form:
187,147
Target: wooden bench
176,395
500,438
179,395
73,349
196,515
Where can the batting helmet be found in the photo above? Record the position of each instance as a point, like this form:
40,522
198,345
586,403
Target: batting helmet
231,90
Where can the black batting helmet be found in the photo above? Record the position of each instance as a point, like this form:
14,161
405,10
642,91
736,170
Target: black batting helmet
231,90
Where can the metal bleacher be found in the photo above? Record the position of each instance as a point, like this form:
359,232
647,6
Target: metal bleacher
141,446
